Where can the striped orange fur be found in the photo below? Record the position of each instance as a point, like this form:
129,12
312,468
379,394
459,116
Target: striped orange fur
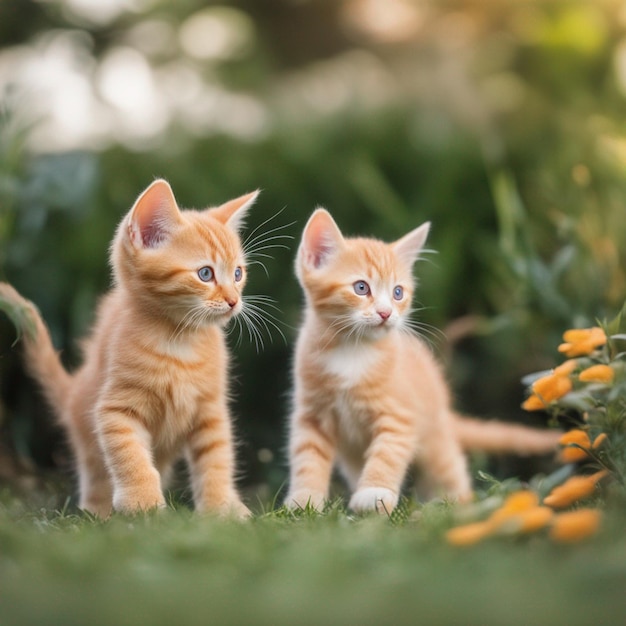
153,384
369,396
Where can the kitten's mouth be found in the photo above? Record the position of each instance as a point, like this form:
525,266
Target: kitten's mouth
230,313
383,327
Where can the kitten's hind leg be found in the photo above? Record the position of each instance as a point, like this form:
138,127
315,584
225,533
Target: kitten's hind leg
94,483
445,468
95,488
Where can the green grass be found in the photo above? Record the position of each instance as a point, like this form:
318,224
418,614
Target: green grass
180,568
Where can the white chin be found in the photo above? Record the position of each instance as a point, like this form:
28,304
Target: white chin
225,318
377,331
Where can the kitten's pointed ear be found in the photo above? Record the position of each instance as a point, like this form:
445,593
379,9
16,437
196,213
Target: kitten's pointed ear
321,238
153,216
408,248
233,213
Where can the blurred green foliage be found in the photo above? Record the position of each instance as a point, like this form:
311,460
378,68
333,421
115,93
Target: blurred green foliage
500,122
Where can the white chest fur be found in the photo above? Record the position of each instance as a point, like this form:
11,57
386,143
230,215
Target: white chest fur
182,350
350,363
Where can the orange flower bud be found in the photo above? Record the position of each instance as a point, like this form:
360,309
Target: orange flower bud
533,403
552,387
578,342
468,534
515,503
520,513
547,389
575,525
566,368
575,436
573,454
597,374
599,440
535,519
573,489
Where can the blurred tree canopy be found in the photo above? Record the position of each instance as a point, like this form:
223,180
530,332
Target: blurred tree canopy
502,123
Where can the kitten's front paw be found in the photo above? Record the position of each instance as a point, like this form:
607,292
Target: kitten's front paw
301,499
377,499
137,500
227,506
236,509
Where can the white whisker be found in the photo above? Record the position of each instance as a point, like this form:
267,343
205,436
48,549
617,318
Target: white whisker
254,333
257,228
262,238
260,322
255,262
257,245
264,300
427,332
339,325
237,324
187,321
266,319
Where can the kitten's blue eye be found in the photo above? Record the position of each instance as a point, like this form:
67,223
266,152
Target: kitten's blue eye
361,288
398,293
238,274
205,274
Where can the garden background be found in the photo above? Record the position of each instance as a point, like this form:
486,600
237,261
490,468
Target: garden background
501,122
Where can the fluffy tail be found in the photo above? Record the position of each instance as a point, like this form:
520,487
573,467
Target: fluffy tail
42,360
498,437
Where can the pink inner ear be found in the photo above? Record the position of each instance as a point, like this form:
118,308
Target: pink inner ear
153,215
321,238
233,212
408,248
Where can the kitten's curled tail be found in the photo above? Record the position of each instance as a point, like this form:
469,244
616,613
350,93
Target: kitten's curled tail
499,437
42,360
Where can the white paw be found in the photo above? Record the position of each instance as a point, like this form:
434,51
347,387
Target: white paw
232,509
135,501
377,499
301,499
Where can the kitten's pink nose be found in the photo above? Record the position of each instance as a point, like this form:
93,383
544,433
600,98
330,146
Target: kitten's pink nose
384,315
232,302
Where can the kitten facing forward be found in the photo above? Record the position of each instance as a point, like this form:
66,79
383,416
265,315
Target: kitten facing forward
153,383
369,395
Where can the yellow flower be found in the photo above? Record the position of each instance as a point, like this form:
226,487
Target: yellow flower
599,440
566,368
514,504
577,436
574,489
533,403
468,534
579,342
547,389
597,374
552,387
575,525
520,513
573,453
535,519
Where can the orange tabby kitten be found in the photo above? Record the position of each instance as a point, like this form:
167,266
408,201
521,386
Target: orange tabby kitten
154,379
369,395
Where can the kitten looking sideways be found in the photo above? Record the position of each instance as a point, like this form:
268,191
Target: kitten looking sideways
369,396
153,384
